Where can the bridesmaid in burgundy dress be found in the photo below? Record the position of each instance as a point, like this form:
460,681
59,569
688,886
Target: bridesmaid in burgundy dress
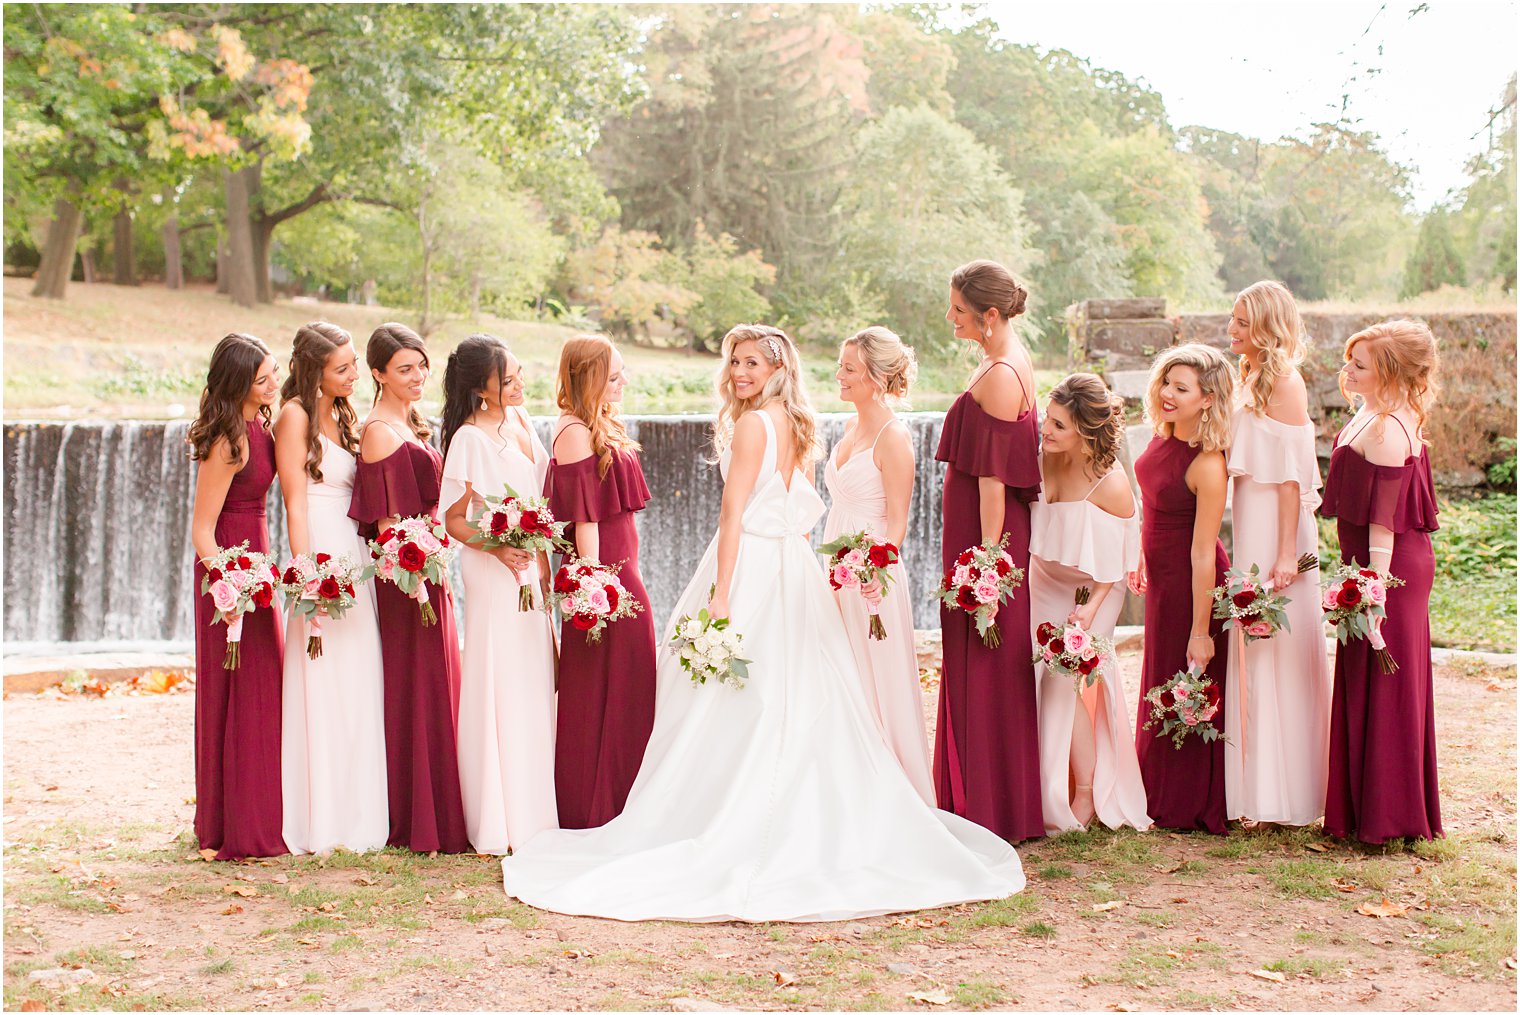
1183,481
606,688
986,742
398,476
1383,782
238,808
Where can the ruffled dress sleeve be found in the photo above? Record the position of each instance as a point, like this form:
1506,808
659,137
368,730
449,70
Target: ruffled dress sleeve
979,444
1270,452
468,461
404,483
1081,535
577,494
1398,497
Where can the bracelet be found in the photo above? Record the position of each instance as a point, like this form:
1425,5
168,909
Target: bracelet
1379,549
1198,636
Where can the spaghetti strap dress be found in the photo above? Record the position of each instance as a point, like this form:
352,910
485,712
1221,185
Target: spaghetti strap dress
1383,782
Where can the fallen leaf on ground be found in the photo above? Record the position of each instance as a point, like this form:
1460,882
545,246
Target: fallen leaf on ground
232,910
245,891
32,1004
364,879
936,996
328,906
208,854
784,978
1509,963
1318,847
1344,886
1104,907
1382,909
1269,976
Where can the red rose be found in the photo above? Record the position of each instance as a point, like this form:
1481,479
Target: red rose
583,621
1086,666
1047,632
263,595
563,582
1244,598
411,557
966,599
385,537
1250,618
1211,692
1349,595
1003,567
348,590
291,577
498,523
245,563
612,597
323,558
329,589
1367,572
944,584
880,556
964,558
214,574
832,583
530,521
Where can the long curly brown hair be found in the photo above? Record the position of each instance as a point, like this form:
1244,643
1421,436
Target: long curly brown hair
585,363
1098,414
235,363
314,345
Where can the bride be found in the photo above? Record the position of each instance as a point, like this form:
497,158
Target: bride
778,800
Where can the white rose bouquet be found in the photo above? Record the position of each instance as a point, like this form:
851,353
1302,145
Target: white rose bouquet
709,650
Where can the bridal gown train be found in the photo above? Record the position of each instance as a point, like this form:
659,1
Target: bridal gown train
778,800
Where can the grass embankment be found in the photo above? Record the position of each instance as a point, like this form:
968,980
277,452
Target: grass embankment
112,351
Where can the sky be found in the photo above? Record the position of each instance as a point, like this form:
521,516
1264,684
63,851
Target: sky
1271,69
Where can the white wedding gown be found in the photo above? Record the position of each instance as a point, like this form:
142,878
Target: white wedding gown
775,801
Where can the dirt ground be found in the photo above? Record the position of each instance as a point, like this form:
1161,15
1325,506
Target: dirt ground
102,875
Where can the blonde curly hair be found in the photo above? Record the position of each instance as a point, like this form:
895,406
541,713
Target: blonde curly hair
1215,377
785,386
1275,328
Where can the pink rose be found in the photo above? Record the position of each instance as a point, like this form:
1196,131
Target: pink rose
1209,712
962,575
223,596
309,590
386,568
599,602
1190,718
1377,592
429,542
844,577
1050,654
240,579
1328,600
986,589
1260,629
1076,640
855,558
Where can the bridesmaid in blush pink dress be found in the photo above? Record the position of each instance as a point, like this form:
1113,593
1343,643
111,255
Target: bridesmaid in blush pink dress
986,744
607,687
506,703
1383,781
333,743
869,476
237,712
398,477
1087,752
1277,727
1182,482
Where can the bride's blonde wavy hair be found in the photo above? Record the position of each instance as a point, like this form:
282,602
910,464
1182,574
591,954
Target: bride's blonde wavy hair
1275,328
785,386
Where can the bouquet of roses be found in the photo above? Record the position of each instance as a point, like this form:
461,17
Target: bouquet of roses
982,577
708,649
1185,704
321,586
590,595
1247,602
1069,650
1353,603
239,581
857,559
523,523
412,553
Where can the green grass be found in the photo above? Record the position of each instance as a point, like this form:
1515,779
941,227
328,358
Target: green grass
1039,929
978,993
1309,879
1303,965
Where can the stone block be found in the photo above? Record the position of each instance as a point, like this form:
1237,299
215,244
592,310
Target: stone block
1128,384
1128,309
1130,340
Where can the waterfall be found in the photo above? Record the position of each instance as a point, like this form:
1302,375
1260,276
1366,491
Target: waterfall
97,526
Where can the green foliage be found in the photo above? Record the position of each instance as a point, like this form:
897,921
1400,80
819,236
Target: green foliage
622,277
725,285
1435,260
1501,474
922,194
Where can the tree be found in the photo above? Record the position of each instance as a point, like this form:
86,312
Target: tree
1435,261
622,276
924,197
1485,224
724,284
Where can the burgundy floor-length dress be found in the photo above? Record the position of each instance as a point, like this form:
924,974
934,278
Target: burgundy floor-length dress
421,664
606,688
986,741
238,807
1184,787
1383,782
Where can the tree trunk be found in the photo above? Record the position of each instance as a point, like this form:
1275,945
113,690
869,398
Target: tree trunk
426,324
242,282
174,265
475,296
263,232
223,276
58,250
124,265
87,264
